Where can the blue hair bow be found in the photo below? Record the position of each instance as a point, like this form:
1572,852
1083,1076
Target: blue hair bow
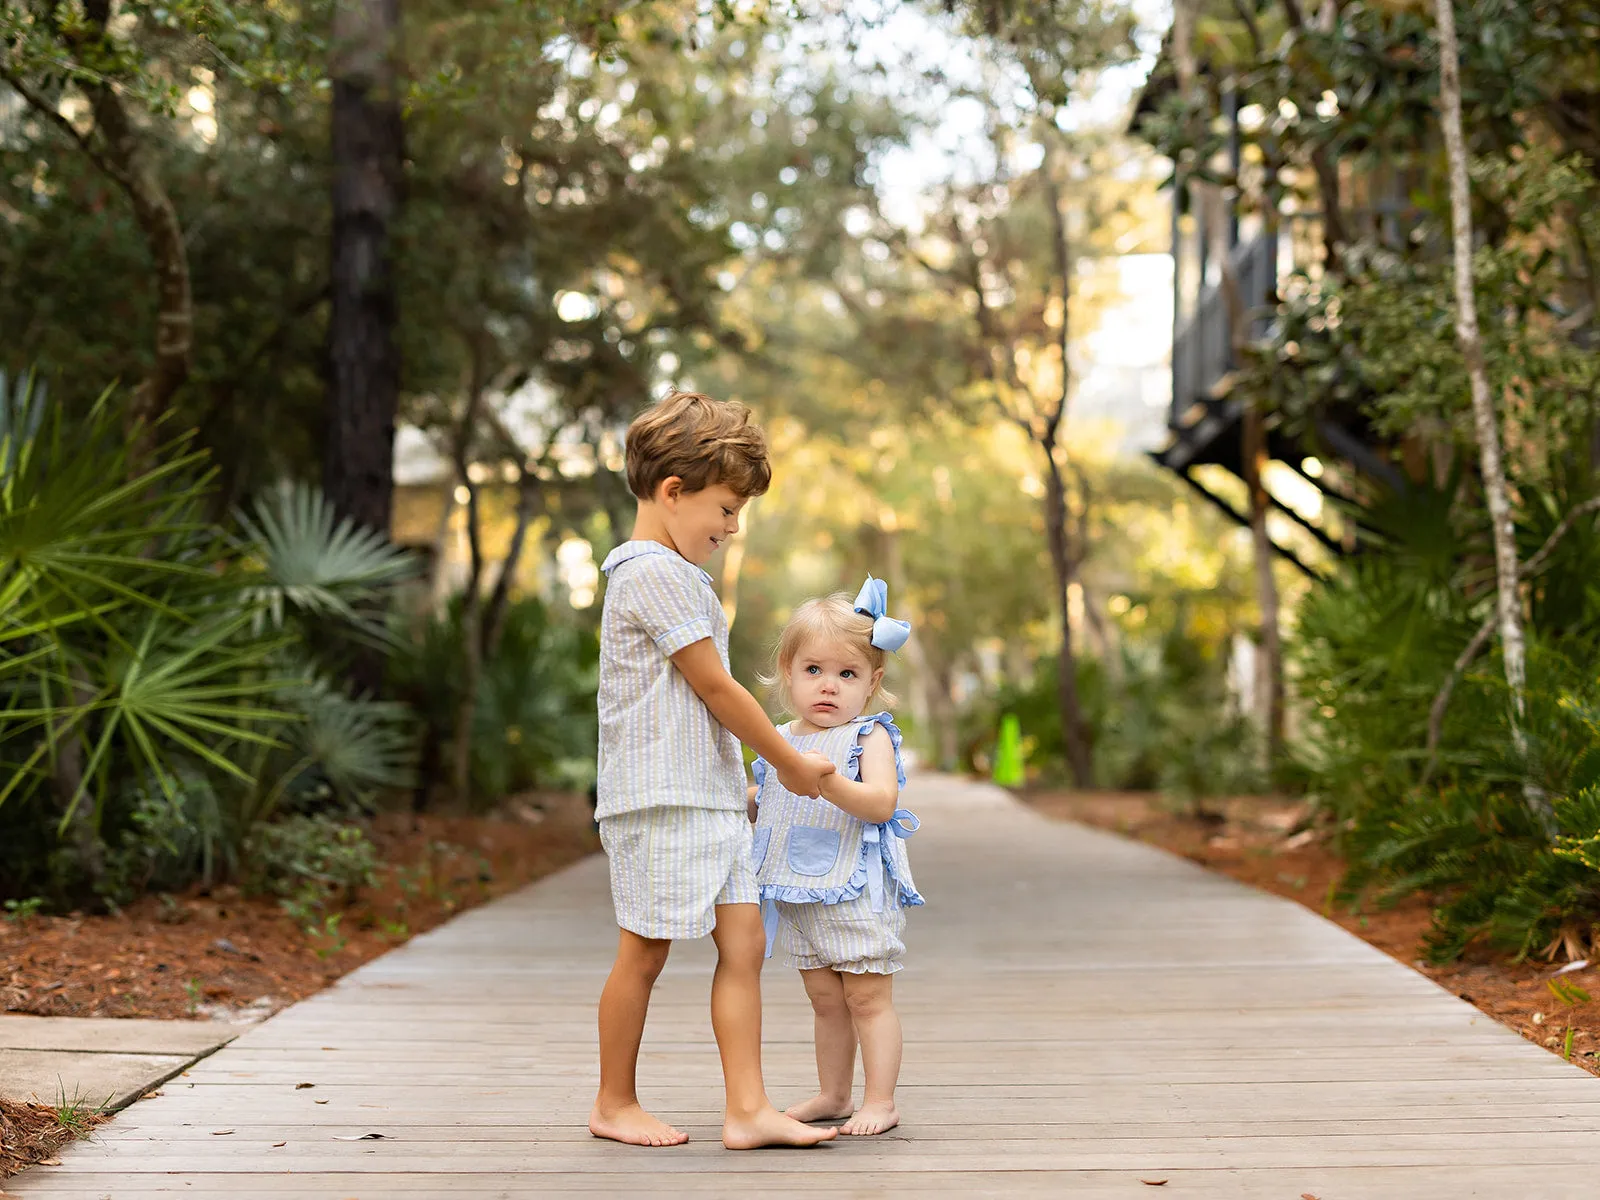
887,633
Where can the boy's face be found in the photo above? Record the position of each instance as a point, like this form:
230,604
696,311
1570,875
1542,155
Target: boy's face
700,522
830,683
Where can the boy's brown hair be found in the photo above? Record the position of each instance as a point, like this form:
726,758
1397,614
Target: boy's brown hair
702,441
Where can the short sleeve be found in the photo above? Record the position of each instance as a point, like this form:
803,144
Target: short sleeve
666,603
759,769
863,732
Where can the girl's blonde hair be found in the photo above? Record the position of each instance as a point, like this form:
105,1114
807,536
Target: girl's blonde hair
832,619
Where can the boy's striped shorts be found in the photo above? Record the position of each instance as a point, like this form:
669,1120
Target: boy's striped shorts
671,867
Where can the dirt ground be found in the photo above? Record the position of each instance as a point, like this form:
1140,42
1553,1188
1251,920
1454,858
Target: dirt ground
218,953
1256,842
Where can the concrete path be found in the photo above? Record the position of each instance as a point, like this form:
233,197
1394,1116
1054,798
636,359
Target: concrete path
98,1061
1083,1015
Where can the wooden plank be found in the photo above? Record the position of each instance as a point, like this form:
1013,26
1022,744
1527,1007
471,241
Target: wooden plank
1081,1012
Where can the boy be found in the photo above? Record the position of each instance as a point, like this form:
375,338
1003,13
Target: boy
672,800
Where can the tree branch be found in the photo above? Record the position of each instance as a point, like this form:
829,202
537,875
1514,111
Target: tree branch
45,109
1243,8
1441,702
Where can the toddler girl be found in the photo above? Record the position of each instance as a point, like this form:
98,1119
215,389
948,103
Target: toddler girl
835,868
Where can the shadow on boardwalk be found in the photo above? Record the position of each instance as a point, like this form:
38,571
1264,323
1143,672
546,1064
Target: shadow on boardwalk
1082,1014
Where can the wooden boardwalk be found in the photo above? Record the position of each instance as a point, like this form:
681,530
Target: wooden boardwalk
1082,1014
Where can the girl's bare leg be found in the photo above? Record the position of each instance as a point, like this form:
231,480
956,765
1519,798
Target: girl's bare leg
871,1002
749,1120
836,1048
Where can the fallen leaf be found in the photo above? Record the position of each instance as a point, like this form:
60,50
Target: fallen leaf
275,1145
1307,1196
221,1132
154,1094
321,1101
301,1086
1154,1182
359,1137
50,1162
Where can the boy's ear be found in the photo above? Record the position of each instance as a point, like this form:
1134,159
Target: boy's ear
668,491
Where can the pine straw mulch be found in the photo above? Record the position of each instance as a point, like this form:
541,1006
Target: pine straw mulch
1254,840
219,954
32,1134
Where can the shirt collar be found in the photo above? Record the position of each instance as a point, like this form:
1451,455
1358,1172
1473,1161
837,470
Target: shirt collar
639,549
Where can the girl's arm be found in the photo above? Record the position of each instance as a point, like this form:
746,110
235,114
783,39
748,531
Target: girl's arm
873,799
750,805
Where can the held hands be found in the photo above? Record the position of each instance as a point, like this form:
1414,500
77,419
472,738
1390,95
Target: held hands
805,778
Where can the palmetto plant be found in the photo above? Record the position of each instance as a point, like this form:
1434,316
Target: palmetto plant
140,644
317,567
120,643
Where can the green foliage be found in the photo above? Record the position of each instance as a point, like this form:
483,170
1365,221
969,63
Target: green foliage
158,676
313,864
535,722
19,911
318,568
1371,651
1163,720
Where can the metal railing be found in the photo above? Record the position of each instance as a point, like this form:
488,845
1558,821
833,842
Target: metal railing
1202,348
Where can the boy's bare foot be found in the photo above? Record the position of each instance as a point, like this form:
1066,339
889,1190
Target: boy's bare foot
635,1127
771,1128
820,1108
871,1118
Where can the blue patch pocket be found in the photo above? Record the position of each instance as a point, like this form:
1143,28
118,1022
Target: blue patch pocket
758,847
812,851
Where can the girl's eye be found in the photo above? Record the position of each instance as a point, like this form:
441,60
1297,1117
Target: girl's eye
813,670
727,512
847,673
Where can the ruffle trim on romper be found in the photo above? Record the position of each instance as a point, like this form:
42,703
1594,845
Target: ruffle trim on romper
857,883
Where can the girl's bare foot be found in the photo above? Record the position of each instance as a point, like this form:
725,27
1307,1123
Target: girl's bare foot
820,1107
771,1128
635,1127
874,1117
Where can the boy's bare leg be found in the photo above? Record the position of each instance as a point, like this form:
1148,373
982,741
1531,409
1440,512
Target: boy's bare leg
750,1121
836,1049
871,1001
617,1114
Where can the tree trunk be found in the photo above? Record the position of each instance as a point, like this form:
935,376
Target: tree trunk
471,660
886,543
363,353
472,597
494,615
1063,563
1269,660
1074,737
163,235
1508,602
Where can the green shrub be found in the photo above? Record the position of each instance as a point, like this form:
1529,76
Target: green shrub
158,674
1373,647
1163,720
535,724
313,864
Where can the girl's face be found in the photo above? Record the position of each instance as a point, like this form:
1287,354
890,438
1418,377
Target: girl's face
830,683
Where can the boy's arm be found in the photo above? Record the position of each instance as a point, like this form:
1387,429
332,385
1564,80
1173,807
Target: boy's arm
873,799
741,714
